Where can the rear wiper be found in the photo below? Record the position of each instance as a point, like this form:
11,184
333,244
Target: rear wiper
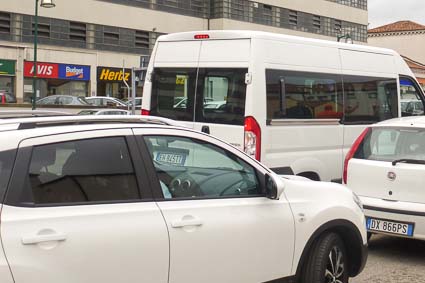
406,160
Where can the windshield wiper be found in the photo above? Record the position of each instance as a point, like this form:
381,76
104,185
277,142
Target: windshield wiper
406,160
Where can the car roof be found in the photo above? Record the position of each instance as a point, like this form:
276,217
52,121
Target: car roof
411,121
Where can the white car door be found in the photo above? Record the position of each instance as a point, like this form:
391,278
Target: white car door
81,213
222,227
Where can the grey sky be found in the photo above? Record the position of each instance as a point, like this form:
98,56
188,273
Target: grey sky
382,12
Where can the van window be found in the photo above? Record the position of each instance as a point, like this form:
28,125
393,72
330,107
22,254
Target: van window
410,98
173,93
7,158
223,96
369,99
220,94
301,95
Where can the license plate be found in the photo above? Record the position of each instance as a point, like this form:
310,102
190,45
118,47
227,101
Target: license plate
171,158
389,226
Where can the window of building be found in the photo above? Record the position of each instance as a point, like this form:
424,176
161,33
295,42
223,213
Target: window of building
141,39
82,171
77,31
4,22
293,18
43,29
110,37
317,22
187,168
301,95
338,26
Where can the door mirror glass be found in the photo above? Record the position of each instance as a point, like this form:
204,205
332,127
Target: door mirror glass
273,188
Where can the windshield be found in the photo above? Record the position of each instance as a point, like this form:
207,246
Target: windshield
389,144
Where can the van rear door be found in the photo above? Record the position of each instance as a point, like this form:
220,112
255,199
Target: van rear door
174,81
222,91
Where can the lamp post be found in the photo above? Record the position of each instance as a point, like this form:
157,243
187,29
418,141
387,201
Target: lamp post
44,4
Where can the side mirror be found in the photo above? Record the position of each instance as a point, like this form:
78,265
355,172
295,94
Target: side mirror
274,187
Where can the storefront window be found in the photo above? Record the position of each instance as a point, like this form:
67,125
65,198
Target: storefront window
7,81
57,79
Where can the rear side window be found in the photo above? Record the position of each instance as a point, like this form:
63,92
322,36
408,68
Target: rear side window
389,144
7,159
92,170
369,99
223,96
300,95
173,93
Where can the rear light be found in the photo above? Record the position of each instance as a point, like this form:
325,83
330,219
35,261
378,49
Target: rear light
201,36
146,112
252,134
3,99
352,151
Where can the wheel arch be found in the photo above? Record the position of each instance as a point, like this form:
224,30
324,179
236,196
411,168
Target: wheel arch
352,239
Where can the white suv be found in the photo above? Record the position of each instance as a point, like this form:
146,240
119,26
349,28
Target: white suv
386,168
135,199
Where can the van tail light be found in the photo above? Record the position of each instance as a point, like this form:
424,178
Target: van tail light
146,112
352,151
3,99
252,138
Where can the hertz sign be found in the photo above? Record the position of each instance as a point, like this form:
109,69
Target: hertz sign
113,74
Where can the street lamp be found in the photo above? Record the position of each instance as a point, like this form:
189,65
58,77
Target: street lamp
44,4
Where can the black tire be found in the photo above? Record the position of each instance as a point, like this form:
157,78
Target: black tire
318,268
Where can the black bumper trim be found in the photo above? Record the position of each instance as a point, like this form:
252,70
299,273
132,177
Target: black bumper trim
396,211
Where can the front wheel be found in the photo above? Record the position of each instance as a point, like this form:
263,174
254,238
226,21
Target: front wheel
327,261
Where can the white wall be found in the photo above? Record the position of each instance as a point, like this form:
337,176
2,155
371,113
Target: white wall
411,46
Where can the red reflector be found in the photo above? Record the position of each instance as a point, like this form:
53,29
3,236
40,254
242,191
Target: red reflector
201,36
352,151
146,112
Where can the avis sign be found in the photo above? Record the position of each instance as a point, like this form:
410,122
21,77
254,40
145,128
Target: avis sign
58,71
44,70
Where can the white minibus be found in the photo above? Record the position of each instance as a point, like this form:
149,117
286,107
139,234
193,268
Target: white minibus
296,104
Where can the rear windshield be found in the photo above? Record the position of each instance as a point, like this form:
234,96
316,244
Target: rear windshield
6,163
389,144
210,95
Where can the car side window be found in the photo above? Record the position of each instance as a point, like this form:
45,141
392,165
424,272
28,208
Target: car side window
189,168
82,171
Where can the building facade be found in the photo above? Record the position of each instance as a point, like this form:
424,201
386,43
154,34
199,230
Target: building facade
408,39
85,44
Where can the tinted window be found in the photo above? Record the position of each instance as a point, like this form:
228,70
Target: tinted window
369,99
47,100
65,100
388,144
82,171
173,93
411,103
223,96
300,95
189,168
7,159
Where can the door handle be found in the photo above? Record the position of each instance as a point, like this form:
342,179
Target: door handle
188,222
36,239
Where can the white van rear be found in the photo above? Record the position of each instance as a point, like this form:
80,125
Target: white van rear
293,103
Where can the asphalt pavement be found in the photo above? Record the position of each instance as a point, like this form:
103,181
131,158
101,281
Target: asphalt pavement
394,260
